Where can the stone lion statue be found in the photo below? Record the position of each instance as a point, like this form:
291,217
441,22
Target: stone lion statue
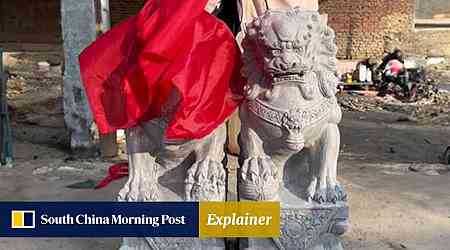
185,170
191,170
290,62
182,170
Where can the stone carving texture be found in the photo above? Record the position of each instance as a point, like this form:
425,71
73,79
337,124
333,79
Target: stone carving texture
182,171
291,113
301,229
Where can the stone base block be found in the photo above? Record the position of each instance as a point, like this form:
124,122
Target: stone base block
172,244
313,228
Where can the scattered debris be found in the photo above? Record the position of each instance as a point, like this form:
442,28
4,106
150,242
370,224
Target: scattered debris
429,104
44,66
70,158
53,178
430,169
88,184
35,89
396,246
386,172
432,173
425,167
406,118
445,158
428,111
69,169
42,170
436,60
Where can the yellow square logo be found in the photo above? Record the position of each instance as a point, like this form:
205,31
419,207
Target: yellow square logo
22,219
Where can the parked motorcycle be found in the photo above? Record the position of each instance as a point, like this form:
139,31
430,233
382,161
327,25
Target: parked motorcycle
397,79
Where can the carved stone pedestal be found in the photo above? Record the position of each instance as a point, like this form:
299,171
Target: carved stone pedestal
305,225
172,244
306,228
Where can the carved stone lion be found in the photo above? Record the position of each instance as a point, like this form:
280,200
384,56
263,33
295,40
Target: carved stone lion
182,171
290,62
159,170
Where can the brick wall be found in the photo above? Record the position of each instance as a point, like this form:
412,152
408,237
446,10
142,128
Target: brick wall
30,21
121,9
365,27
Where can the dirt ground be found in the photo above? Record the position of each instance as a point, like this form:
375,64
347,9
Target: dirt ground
390,166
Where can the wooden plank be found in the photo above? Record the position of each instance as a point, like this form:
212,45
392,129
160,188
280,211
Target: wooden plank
108,145
233,129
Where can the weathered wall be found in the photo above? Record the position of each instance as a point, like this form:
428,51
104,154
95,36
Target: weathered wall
433,42
365,27
121,9
426,9
39,21
30,21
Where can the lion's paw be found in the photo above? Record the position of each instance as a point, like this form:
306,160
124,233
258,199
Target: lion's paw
205,181
321,195
139,190
341,194
259,179
142,184
329,194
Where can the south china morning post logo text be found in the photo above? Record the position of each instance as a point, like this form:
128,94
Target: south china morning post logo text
98,219
114,219
154,219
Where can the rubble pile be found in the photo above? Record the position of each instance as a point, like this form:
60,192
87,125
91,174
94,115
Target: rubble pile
438,73
352,101
35,92
429,105
434,110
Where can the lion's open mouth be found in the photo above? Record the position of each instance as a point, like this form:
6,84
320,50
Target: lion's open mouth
290,77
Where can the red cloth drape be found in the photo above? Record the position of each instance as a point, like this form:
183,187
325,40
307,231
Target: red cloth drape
170,45
115,172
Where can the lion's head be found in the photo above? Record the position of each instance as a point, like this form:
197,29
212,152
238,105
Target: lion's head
292,46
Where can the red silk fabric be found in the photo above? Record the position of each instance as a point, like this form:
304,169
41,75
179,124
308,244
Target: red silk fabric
130,71
115,172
